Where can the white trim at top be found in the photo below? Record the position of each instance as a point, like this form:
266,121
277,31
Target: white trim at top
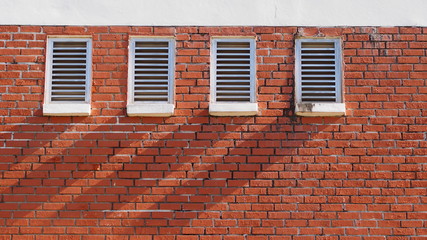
216,12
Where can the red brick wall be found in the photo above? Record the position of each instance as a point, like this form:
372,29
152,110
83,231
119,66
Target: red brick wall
274,176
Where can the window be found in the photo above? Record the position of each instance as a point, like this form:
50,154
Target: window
68,77
318,78
233,77
151,77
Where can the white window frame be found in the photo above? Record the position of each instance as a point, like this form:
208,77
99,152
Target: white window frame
313,109
233,108
152,108
64,108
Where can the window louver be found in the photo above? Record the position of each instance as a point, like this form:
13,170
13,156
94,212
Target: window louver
234,70
70,64
318,67
152,71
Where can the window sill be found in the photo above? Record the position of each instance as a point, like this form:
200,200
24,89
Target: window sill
233,109
66,109
150,110
320,109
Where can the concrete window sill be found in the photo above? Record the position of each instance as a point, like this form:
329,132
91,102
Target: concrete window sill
233,109
66,109
320,109
150,110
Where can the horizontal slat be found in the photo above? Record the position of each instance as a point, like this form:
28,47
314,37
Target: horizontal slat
141,97
57,69
151,64
239,90
151,80
149,74
324,76
56,80
150,91
150,54
322,72
55,49
232,45
69,52
68,98
151,48
70,81
231,49
232,75
233,54
317,60
233,65
58,96
233,59
67,90
81,99
69,86
233,86
68,74
318,65
232,97
151,69
319,86
69,64
71,75
69,55
233,70
142,72
317,48
231,80
151,59
319,92
318,70
73,83
317,81
151,86
69,59
317,54
320,97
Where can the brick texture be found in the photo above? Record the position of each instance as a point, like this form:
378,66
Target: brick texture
191,176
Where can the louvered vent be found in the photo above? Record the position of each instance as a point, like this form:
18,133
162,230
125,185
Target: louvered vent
319,73
234,80
152,71
69,71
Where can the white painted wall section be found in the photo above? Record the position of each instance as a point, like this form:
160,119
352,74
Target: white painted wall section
215,12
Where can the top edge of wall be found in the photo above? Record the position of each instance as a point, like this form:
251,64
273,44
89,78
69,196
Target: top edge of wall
215,12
